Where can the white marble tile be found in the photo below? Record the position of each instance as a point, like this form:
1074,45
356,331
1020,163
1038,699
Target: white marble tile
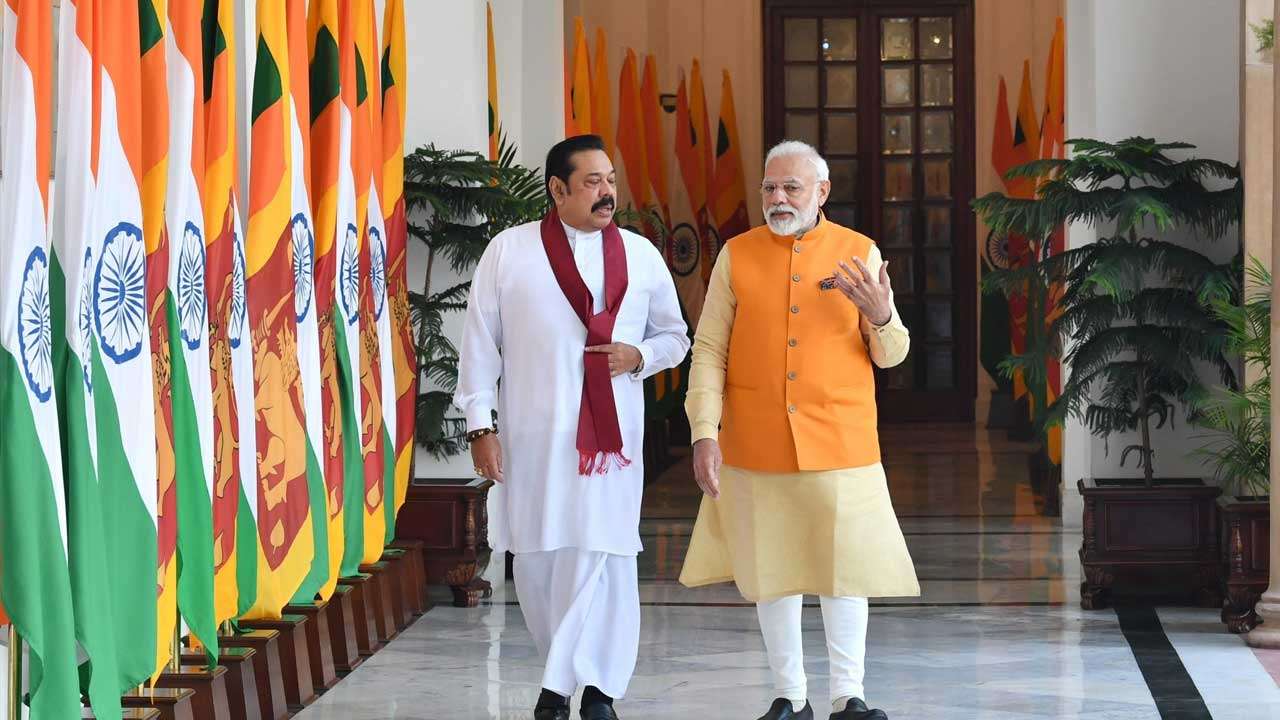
1224,669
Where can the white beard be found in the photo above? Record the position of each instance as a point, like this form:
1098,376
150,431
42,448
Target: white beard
799,221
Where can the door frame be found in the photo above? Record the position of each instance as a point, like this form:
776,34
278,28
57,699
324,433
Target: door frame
956,404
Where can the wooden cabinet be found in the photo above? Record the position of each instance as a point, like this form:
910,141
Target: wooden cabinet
449,517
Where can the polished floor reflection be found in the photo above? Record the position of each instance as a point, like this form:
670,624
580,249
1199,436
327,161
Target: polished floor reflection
996,635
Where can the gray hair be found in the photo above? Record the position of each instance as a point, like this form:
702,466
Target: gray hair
792,148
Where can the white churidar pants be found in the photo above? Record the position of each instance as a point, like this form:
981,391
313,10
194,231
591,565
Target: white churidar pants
845,621
583,609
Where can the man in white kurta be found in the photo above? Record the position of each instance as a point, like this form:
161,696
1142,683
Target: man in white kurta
570,517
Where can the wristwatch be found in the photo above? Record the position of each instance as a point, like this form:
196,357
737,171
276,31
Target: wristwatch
477,434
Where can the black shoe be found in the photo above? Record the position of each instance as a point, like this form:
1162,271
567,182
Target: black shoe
551,713
597,711
855,709
781,709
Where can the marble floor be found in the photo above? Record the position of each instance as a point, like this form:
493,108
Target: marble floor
997,633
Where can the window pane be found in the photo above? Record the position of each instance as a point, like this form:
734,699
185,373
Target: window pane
940,369
844,180
801,38
846,215
897,41
937,222
897,227
935,38
936,85
898,87
802,86
937,132
902,376
898,138
901,272
842,133
802,127
937,272
938,320
840,39
842,86
937,178
898,180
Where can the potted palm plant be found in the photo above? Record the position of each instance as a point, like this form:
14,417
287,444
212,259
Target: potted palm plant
1238,445
1135,330
463,199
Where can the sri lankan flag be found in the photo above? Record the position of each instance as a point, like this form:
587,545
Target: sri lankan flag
319,580
631,132
328,119
284,511
187,309
601,94
654,140
578,121
728,198
154,107
701,139
333,84
34,582
375,442
235,491
404,358
494,124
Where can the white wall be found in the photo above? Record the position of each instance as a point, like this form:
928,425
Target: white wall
448,96
1168,69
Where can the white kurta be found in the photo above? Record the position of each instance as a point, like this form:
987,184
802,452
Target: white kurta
520,330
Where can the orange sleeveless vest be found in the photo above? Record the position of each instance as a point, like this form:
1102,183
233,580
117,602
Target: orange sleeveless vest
800,392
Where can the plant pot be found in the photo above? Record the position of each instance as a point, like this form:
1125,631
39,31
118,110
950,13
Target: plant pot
1245,541
1140,539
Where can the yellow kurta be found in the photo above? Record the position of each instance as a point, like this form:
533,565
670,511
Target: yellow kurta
828,532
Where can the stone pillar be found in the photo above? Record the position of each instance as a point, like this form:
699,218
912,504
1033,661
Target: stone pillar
1268,608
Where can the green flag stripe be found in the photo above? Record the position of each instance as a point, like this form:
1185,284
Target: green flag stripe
362,82
389,485
319,573
213,42
150,31
353,465
326,84
195,509
267,84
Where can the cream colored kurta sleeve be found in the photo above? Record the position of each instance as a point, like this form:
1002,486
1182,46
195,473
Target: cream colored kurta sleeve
704,401
890,342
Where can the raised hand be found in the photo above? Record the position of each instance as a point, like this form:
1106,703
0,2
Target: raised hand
873,296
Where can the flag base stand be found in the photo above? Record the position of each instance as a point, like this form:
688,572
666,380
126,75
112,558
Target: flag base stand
299,691
242,686
415,591
361,594
384,623
398,568
266,669
319,643
342,630
210,686
172,703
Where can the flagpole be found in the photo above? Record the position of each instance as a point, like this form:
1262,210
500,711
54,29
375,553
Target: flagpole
175,658
15,674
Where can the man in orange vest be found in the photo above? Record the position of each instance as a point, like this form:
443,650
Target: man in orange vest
782,406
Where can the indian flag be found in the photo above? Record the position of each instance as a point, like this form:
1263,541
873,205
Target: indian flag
122,367
75,348
154,106
235,492
374,441
347,292
404,357
320,580
284,511
35,586
187,309
333,198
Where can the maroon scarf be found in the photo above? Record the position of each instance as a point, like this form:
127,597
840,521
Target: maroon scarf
599,435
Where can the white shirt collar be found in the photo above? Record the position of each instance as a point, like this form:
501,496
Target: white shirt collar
574,234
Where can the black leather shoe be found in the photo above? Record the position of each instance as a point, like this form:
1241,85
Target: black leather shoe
551,713
855,709
597,711
781,709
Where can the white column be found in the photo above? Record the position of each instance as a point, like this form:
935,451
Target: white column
1268,608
